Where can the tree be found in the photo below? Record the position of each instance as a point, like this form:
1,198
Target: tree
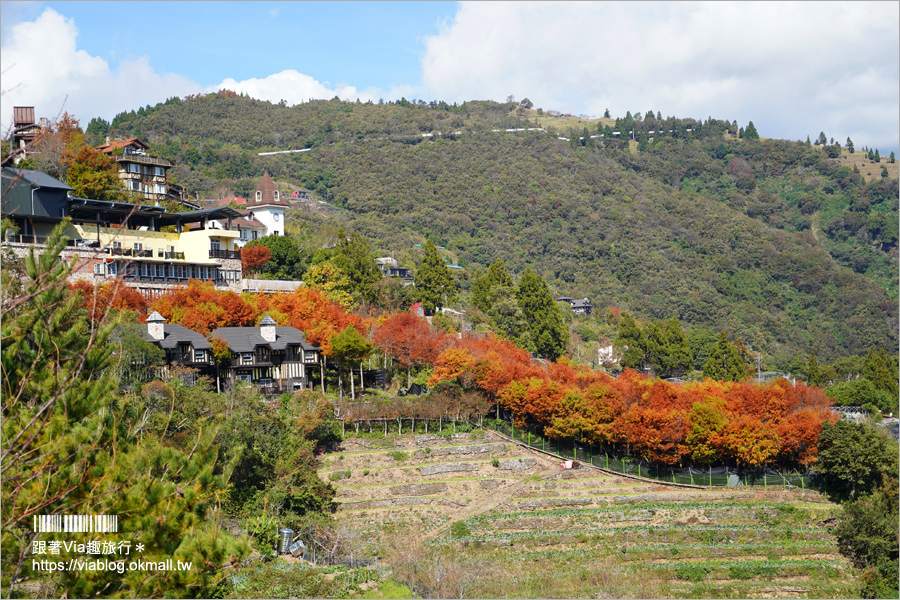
813,372
606,114
285,261
94,174
331,281
254,257
435,287
348,347
750,132
884,173
850,147
526,103
630,343
491,285
877,157
854,458
354,258
724,362
881,369
60,403
893,158
548,332
867,534
821,140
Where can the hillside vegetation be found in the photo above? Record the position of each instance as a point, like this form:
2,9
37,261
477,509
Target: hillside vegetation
772,240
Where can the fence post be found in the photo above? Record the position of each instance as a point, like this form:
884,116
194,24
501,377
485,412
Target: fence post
607,459
639,469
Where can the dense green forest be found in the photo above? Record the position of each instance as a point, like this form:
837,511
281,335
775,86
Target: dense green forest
773,240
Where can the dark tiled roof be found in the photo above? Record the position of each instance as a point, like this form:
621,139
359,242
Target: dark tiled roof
38,178
177,334
121,144
247,339
267,189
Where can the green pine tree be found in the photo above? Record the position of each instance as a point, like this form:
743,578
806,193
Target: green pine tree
680,356
881,369
630,343
354,258
814,374
71,447
549,334
724,362
435,287
750,133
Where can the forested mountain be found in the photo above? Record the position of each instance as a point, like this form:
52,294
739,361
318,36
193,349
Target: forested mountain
773,240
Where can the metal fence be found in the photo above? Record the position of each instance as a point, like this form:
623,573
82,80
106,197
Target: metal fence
722,476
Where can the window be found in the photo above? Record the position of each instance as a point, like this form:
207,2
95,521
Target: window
138,247
143,269
199,355
159,171
259,196
98,269
188,272
160,188
134,168
179,272
152,269
277,197
112,268
117,245
247,358
172,271
136,186
244,377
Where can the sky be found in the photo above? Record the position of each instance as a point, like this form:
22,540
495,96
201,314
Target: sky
793,68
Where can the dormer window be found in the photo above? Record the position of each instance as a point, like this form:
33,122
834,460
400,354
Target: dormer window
277,197
258,196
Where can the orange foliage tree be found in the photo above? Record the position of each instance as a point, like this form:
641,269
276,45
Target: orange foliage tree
99,299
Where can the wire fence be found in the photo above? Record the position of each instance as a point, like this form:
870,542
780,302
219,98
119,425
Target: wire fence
722,476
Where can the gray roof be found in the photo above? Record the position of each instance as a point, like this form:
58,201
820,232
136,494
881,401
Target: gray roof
247,339
38,178
178,334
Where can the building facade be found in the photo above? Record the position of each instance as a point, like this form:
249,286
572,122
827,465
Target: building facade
142,175
275,358
150,249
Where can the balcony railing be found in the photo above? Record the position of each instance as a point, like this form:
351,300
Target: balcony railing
225,254
145,253
170,255
143,159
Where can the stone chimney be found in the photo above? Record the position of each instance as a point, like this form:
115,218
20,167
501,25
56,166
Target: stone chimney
155,326
267,328
107,140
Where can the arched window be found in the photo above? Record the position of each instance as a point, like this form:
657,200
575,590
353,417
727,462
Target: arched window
277,197
258,196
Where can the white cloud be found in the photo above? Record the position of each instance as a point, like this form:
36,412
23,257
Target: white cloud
294,88
792,68
42,67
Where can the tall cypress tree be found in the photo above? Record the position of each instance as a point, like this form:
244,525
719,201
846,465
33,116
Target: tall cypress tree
724,362
630,343
354,258
545,321
434,285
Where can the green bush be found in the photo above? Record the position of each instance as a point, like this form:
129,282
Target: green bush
693,573
459,529
400,456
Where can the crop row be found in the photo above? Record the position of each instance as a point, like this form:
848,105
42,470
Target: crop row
626,510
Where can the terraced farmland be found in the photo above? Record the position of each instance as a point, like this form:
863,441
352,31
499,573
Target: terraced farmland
527,528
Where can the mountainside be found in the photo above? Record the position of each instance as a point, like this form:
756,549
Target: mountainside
773,240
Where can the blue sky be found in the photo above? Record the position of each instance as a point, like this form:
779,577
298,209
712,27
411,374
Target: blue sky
794,69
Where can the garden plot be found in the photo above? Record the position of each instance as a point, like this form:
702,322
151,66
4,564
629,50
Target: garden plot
519,519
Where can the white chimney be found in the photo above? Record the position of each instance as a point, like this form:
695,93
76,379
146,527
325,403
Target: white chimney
267,328
107,140
155,326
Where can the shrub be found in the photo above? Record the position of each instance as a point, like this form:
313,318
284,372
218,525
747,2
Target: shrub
459,529
399,456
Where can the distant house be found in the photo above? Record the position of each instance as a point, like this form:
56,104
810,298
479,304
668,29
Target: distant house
141,173
25,131
184,347
276,358
580,306
268,206
301,195
31,197
391,268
